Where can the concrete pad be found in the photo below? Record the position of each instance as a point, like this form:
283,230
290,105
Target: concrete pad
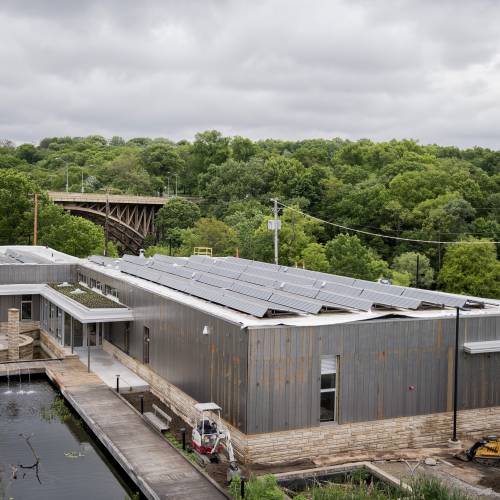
106,367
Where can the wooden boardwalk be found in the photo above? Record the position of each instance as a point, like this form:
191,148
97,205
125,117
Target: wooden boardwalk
153,464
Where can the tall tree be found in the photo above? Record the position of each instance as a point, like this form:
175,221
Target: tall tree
471,269
349,257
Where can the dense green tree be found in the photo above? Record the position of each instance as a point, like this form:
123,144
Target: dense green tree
176,214
314,258
16,207
212,233
210,148
73,235
471,269
296,233
243,149
349,257
406,263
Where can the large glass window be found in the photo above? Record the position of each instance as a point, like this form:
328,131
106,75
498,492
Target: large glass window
26,307
328,388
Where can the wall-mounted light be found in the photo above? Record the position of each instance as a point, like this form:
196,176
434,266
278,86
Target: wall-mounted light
206,330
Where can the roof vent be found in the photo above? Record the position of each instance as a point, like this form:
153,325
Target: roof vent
141,253
282,285
323,283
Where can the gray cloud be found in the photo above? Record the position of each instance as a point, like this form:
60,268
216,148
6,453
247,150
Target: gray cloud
280,68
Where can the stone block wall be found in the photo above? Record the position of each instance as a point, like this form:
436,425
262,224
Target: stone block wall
328,439
13,339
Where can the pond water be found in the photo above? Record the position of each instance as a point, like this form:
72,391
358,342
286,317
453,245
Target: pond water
35,422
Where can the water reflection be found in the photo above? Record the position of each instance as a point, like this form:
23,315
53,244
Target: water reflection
46,452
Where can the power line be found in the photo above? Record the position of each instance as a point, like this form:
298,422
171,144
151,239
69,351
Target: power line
399,238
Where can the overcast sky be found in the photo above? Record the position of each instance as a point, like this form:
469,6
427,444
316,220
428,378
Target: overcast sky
425,69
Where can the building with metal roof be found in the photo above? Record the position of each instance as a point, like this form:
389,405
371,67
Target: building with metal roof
277,348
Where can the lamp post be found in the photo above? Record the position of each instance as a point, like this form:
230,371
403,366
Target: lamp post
176,176
455,382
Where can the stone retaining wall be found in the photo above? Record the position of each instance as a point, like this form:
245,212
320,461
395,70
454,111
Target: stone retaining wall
327,439
25,349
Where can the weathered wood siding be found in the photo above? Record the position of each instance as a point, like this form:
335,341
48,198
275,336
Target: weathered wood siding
388,368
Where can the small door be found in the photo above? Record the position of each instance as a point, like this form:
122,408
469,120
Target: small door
145,348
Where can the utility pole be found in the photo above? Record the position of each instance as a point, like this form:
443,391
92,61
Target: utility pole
106,225
176,176
83,189
67,177
276,222
417,276
35,221
168,185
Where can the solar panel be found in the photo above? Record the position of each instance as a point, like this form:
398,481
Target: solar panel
296,303
299,290
320,276
380,287
435,297
197,265
167,259
252,291
256,280
254,263
140,261
341,300
391,300
213,280
222,271
340,289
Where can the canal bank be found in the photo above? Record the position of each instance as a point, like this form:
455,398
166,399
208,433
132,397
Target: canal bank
155,466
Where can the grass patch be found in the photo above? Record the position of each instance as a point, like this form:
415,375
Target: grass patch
188,452
56,411
87,298
358,487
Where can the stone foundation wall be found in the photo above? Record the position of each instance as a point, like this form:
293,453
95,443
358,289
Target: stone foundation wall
25,327
25,349
327,439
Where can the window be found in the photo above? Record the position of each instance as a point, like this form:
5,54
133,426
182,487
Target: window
328,388
145,345
26,307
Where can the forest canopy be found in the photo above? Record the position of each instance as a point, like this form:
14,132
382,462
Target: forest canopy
398,188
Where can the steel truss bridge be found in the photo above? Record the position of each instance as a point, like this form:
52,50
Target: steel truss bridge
130,218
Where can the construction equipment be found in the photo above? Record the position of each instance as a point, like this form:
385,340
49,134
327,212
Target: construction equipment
210,437
485,451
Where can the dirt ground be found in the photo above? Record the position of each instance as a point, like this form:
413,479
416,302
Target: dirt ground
479,481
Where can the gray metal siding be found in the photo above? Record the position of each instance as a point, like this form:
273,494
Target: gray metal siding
35,273
388,368
8,301
207,367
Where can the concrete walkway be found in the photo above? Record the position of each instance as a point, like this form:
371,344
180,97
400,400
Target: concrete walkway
106,367
152,463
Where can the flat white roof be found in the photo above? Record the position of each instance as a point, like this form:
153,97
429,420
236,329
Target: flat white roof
75,309
482,347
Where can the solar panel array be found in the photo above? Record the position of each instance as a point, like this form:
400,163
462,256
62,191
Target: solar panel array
262,289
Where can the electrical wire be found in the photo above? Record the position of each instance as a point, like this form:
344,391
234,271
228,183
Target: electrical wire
399,238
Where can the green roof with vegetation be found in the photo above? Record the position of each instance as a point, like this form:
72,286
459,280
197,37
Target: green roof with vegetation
85,296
